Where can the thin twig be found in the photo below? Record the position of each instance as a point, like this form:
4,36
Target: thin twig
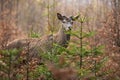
81,45
27,63
9,71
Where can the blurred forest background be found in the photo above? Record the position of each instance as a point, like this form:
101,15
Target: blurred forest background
20,17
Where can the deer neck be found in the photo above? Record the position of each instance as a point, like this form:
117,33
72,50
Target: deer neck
63,37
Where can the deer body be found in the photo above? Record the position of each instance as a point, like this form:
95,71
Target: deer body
43,44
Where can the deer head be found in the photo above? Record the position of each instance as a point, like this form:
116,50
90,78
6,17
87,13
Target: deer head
67,22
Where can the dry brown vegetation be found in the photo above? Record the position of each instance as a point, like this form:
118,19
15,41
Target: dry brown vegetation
18,18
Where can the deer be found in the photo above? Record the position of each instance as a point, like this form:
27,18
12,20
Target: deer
44,44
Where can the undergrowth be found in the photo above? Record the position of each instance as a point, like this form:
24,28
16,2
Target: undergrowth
81,60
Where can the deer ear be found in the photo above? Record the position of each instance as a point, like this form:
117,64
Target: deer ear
59,16
74,17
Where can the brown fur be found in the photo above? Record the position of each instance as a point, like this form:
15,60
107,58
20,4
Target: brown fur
40,45
62,38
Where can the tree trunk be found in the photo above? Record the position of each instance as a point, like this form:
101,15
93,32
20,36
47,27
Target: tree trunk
116,5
